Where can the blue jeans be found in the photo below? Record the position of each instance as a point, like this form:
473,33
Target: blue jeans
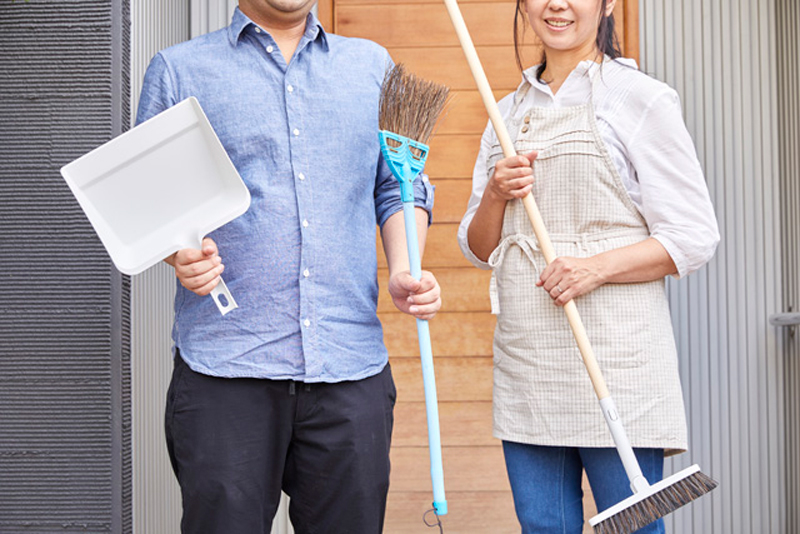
546,483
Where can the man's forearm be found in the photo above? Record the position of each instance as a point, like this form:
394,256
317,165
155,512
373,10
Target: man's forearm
394,239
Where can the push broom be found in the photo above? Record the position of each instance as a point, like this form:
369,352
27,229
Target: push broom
409,108
648,502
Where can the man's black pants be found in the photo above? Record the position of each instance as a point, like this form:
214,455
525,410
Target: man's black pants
236,442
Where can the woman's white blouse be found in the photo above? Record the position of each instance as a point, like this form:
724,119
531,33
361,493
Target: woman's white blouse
640,121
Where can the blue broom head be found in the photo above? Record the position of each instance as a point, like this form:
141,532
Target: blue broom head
405,158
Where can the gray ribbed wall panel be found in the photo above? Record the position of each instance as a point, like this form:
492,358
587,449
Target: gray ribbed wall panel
64,320
721,57
788,35
157,24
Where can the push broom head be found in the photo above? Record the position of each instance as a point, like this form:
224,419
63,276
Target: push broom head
655,502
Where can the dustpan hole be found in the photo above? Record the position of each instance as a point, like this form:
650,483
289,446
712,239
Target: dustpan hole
223,301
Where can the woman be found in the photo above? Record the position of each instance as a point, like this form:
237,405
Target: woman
604,150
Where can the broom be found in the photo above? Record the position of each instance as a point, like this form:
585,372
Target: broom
648,503
409,108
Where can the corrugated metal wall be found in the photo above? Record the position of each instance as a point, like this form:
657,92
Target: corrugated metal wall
721,57
156,24
788,36
64,318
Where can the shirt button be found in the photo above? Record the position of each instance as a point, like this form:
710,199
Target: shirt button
258,30
296,132
524,129
307,322
301,176
270,49
290,88
527,120
306,273
305,224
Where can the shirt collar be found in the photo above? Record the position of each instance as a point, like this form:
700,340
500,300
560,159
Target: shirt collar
586,67
240,22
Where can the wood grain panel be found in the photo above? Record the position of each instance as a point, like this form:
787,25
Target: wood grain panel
452,334
441,248
462,424
465,114
452,197
481,512
418,4
482,467
447,65
453,156
325,14
457,379
463,289
398,25
468,511
629,28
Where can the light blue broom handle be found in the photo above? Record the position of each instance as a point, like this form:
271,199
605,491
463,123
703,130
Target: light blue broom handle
428,377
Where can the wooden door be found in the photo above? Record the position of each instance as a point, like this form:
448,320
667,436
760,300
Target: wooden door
419,34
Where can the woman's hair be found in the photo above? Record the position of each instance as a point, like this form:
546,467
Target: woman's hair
607,41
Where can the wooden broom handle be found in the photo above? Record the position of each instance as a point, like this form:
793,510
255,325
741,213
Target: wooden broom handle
531,208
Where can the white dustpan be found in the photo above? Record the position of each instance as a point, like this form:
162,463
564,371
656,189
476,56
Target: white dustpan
158,188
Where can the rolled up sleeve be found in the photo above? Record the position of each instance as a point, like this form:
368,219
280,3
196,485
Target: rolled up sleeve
675,200
387,194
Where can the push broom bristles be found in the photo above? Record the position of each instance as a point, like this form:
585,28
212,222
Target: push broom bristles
410,106
654,503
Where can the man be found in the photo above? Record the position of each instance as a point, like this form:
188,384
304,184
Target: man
292,390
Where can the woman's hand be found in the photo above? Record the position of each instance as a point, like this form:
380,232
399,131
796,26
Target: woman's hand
198,270
513,177
567,278
420,298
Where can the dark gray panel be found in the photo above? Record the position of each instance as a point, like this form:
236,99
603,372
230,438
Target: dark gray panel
64,320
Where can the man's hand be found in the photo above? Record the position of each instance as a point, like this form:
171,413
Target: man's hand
198,270
420,298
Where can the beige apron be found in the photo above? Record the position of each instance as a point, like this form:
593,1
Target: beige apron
542,393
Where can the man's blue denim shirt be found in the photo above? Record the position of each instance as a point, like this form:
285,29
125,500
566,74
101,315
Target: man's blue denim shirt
301,262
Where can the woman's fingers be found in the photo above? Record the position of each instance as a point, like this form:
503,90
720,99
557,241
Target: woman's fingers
568,278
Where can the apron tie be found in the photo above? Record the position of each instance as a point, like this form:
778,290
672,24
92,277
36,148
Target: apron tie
529,246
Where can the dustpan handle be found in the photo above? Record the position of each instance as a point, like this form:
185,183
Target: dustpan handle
220,294
223,298
545,244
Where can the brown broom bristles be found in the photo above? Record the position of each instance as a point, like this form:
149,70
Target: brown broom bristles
409,105
657,505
